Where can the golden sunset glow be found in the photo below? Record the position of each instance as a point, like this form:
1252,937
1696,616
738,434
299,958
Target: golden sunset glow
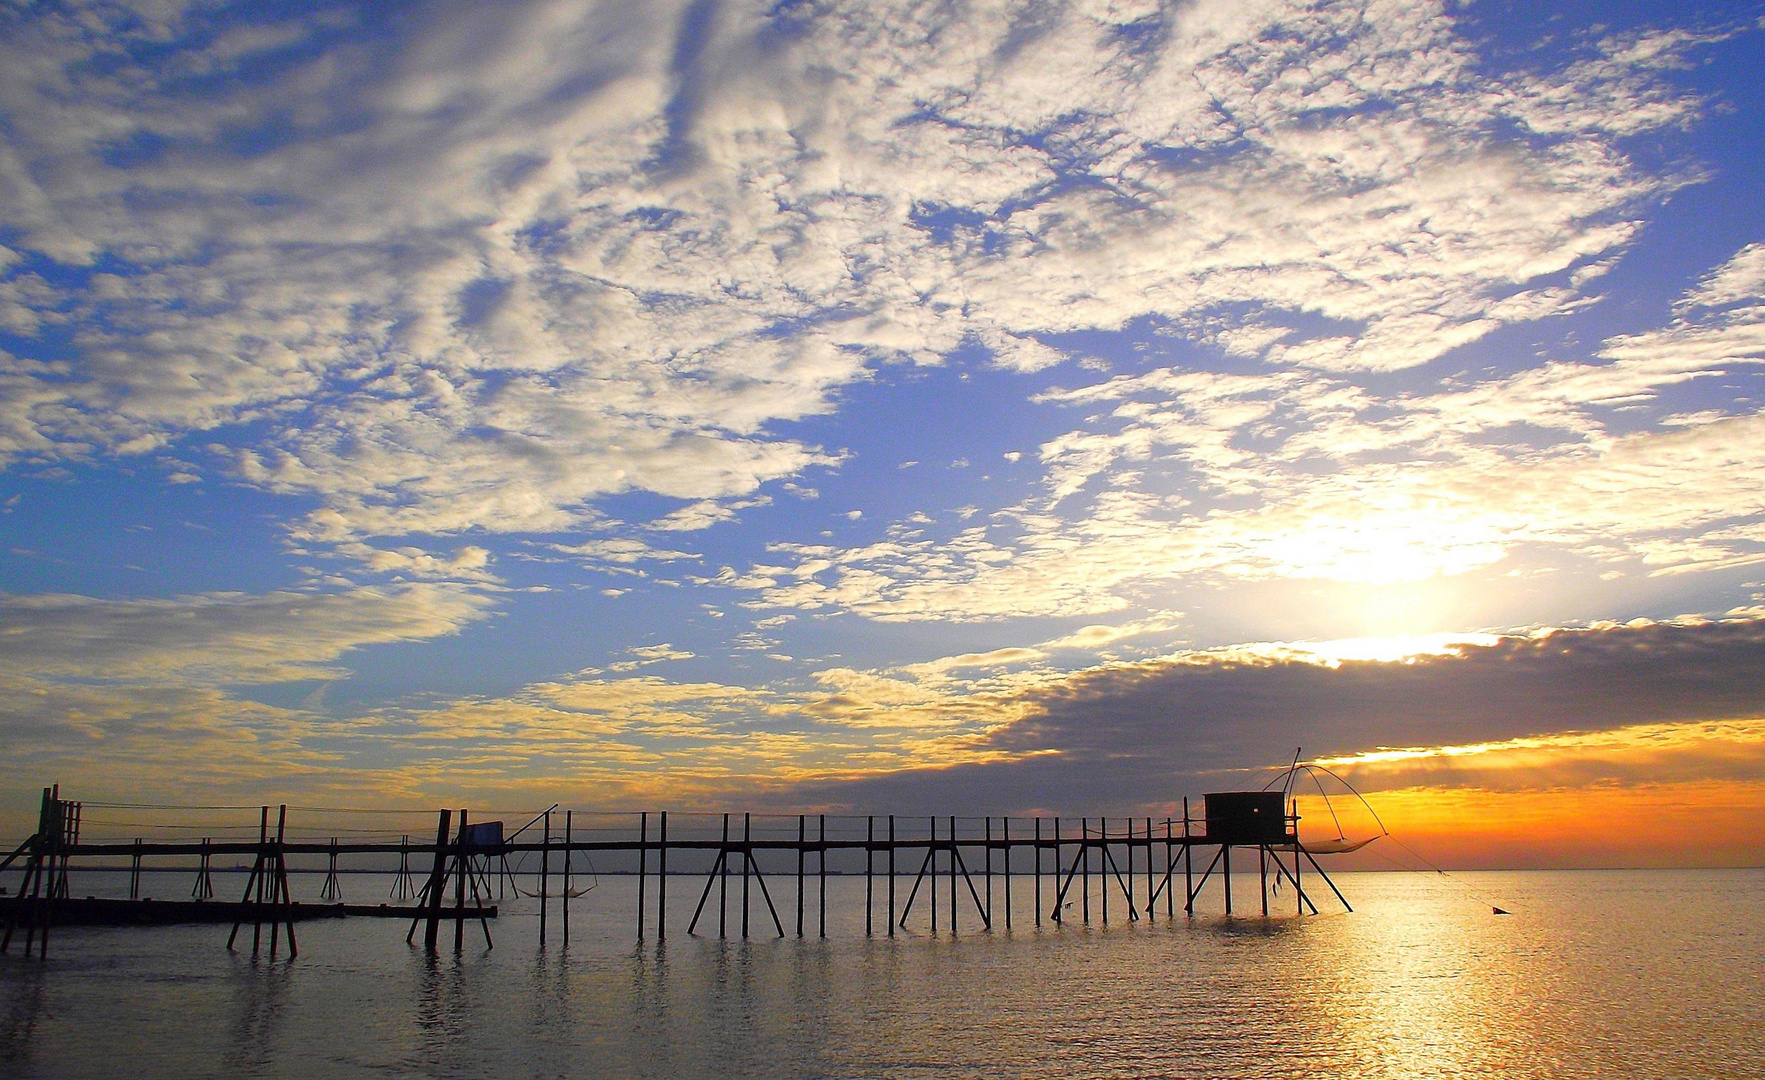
1604,826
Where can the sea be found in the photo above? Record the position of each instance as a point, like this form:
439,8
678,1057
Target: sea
1622,973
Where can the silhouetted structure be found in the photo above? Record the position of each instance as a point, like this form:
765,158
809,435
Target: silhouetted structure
961,859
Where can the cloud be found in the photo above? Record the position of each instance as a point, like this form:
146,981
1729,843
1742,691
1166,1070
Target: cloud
1604,708
650,654
533,258
1638,754
1607,704
617,553
468,563
1741,279
222,638
1291,475
150,740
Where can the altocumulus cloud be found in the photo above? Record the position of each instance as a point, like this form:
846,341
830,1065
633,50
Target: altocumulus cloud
477,268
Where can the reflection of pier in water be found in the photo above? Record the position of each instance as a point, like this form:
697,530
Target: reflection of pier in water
909,864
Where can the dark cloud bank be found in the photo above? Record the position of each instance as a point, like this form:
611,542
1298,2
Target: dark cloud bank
1138,737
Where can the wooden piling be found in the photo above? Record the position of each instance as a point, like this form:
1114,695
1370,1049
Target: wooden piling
262,868
1299,900
1151,871
952,876
1085,873
1170,866
204,887
747,858
802,849
723,888
1262,873
931,855
275,894
821,869
988,873
1226,873
1005,828
1128,882
869,862
1188,865
1059,894
662,883
545,871
1037,849
569,876
460,882
953,860
891,875
643,865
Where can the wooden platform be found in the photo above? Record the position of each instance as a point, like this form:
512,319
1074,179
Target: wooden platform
98,911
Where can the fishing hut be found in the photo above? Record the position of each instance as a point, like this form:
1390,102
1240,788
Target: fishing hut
916,870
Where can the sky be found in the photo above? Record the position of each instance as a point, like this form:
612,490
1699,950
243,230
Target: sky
867,407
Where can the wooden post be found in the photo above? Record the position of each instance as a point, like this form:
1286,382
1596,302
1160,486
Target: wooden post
1084,872
891,875
263,854
869,861
662,882
1151,897
1005,827
1226,872
460,883
545,872
1262,871
1059,915
1128,891
643,865
1038,873
282,874
569,839
1299,901
989,870
952,877
275,885
747,857
821,868
710,879
56,822
802,849
1188,864
723,887
1127,884
431,894
204,887
1102,878
1170,866
931,854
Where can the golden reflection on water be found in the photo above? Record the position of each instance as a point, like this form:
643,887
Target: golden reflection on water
1416,990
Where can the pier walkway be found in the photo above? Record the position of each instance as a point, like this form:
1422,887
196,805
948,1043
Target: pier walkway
938,868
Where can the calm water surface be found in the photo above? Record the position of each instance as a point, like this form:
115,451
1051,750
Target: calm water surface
1623,973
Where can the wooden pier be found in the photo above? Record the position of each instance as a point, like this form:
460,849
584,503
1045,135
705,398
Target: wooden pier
942,869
